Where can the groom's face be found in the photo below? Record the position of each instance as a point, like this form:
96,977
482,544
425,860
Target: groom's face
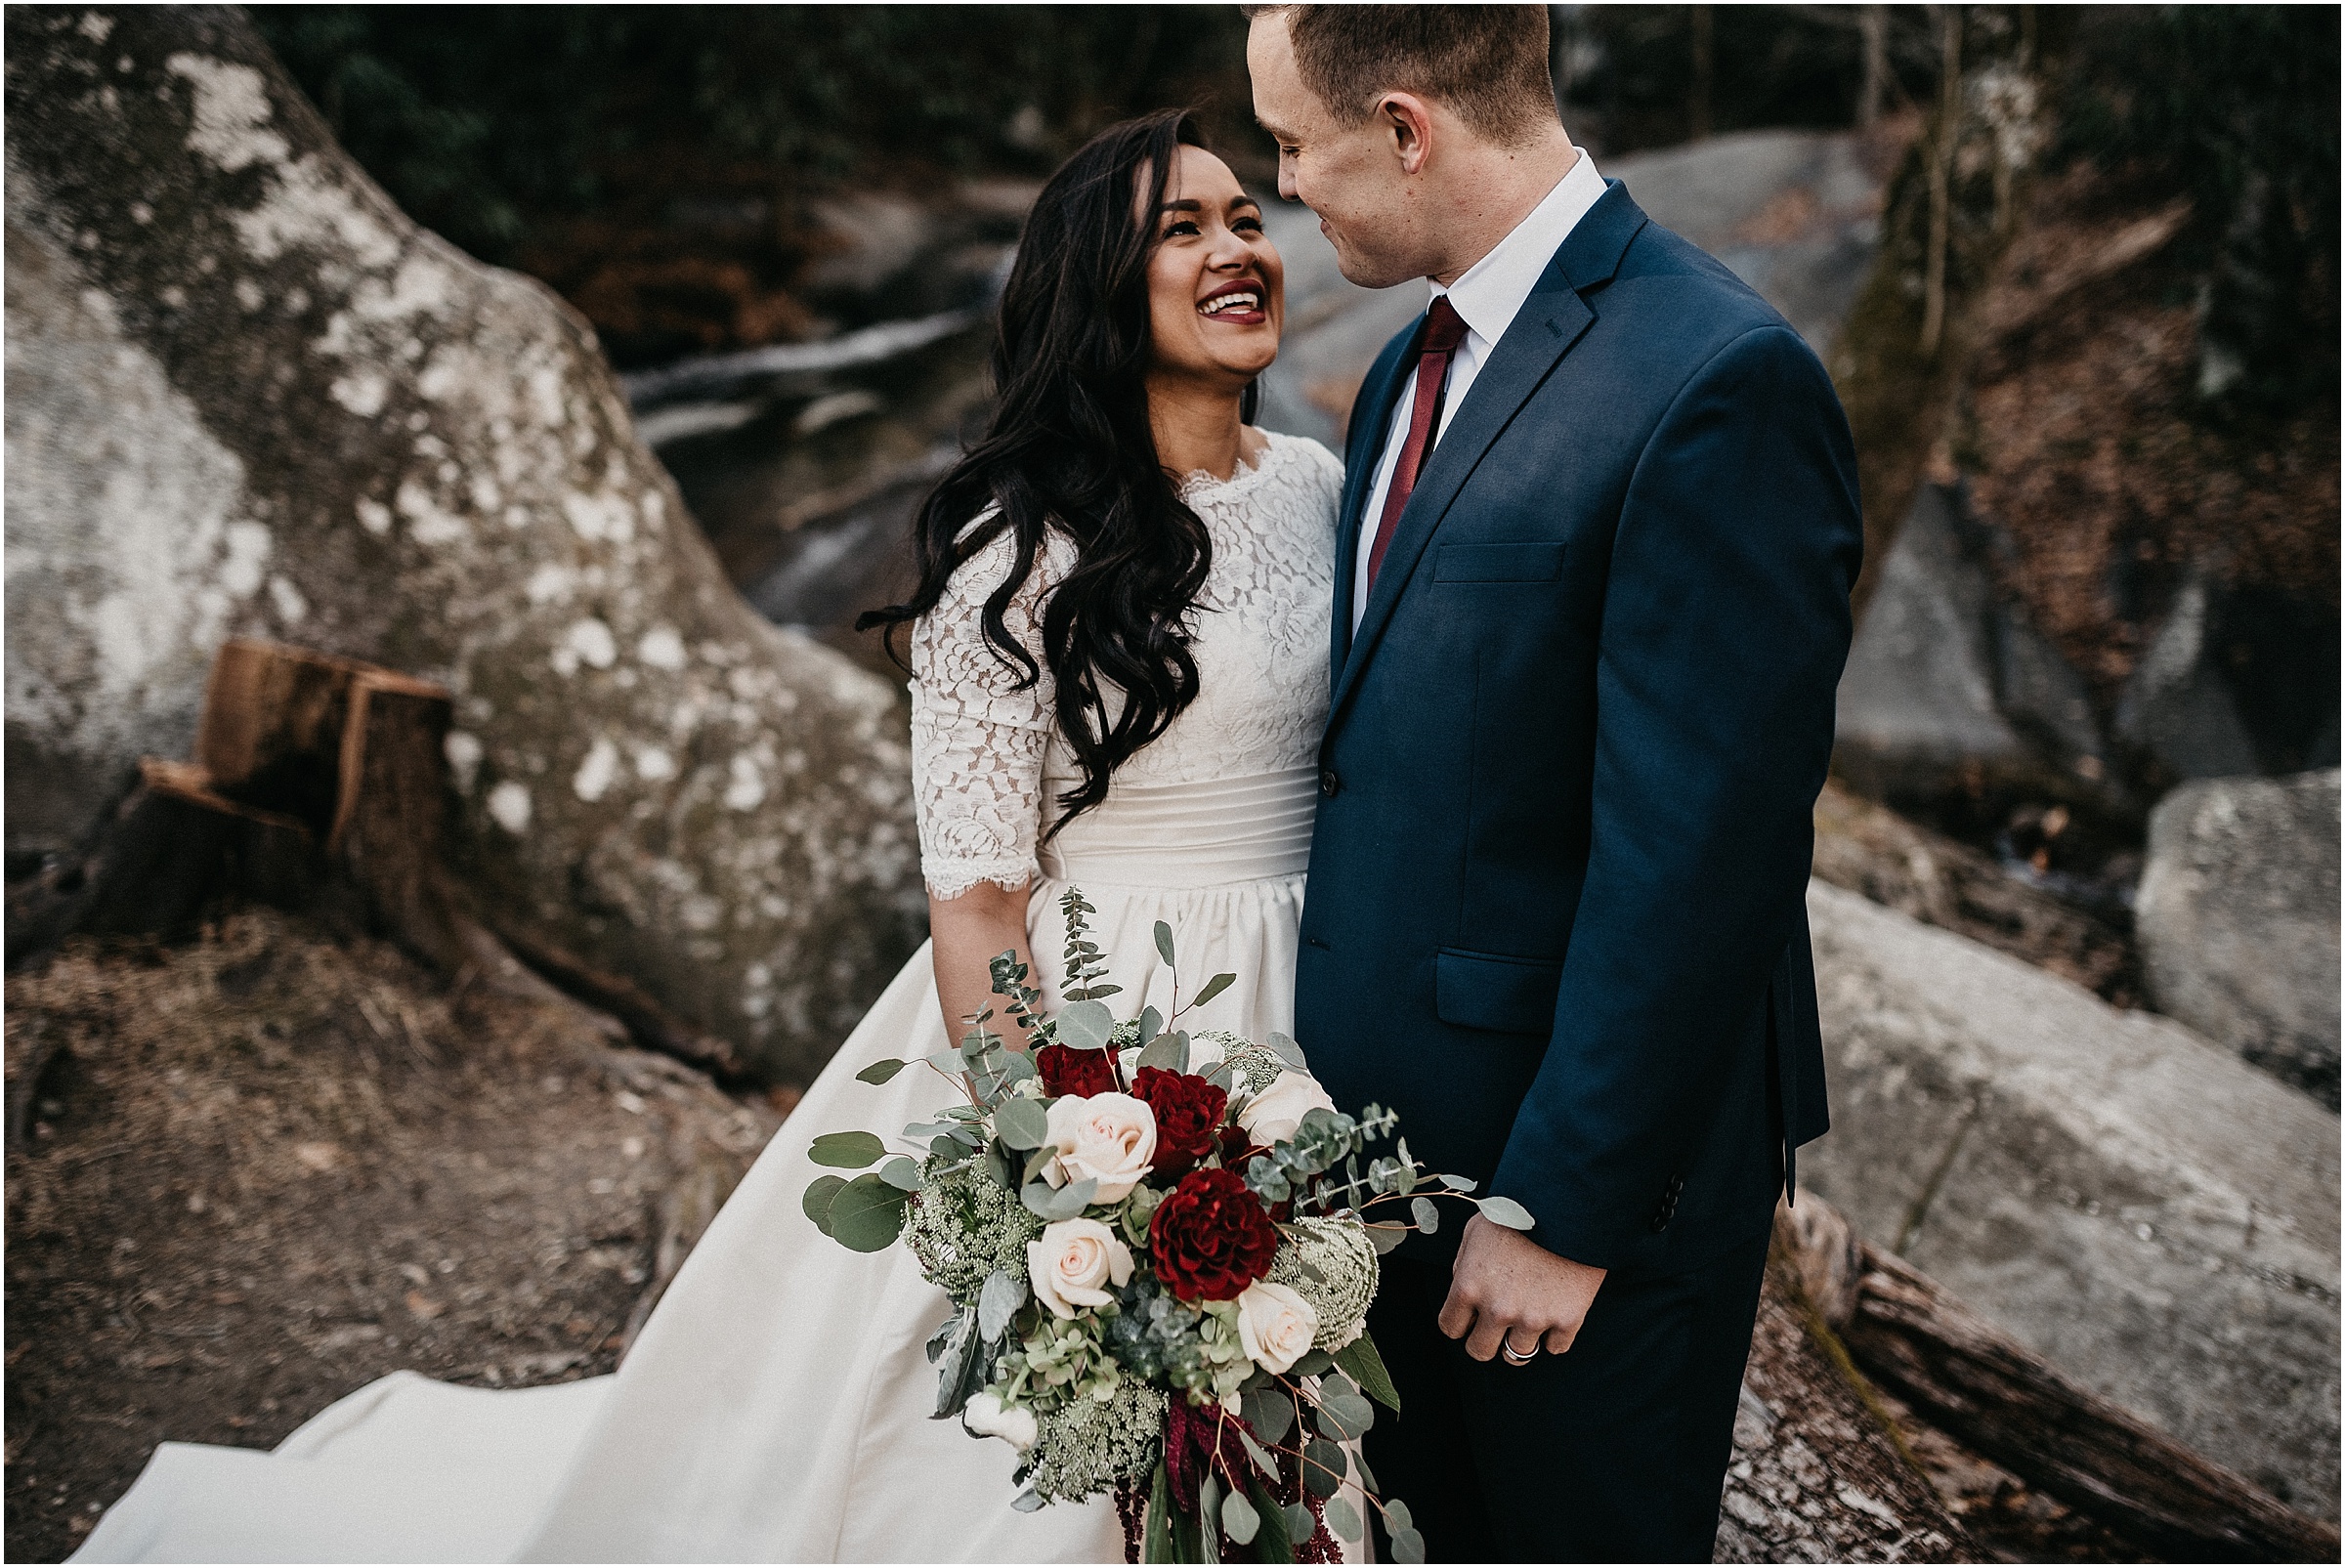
1350,175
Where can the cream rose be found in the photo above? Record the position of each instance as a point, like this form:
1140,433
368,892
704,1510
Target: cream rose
1072,1262
1272,1115
1275,1324
985,1416
1107,1138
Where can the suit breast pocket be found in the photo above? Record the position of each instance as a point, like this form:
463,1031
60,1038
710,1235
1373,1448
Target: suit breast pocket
1540,561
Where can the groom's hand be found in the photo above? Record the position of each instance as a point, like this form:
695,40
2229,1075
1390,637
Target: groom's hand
1505,1283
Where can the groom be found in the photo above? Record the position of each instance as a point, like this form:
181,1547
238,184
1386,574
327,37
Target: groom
1598,528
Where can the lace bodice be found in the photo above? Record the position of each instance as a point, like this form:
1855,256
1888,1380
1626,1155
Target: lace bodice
988,762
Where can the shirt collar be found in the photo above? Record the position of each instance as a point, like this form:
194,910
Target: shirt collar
1489,293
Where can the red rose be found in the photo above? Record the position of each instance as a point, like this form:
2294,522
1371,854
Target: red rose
1188,1117
1068,1071
1210,1237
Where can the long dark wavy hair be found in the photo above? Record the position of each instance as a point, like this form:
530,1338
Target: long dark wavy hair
1069,447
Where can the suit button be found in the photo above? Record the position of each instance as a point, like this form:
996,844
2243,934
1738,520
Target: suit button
1330,784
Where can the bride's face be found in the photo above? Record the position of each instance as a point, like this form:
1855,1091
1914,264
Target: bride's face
1217,290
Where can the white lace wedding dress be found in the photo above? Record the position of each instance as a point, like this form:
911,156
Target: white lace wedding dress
775,1405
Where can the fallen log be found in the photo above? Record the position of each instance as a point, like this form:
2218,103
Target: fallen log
1983,1389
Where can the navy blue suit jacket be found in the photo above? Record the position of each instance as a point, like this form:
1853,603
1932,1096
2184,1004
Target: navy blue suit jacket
1557,902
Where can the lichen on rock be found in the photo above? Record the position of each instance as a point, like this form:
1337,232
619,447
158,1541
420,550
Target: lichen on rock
250,396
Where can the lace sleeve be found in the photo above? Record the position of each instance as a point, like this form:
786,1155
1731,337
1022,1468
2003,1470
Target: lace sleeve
977,739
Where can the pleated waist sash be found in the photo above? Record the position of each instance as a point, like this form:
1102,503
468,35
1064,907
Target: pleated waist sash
1206,833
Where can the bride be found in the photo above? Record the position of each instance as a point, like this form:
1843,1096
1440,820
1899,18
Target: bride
1119,656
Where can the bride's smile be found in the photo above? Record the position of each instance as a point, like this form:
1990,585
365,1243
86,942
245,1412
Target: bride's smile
1217,288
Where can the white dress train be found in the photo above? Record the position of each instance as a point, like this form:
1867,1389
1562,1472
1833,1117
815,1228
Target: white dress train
775,1406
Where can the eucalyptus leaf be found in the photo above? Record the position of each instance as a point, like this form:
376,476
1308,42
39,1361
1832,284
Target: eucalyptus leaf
1313,1364
868,1215
1322,1468
902,1172
1209,1515
949,1063
1052,1204
1035,1162
1427,1217
1022,1124
1152,1024
1017,1067
1239,1521
817,1201
999,1302
1345,1418
1213,988
1086,1025
1026,1502
1396,1516
1360,1463
1283,1048
1168,1053
945,1147
1454,1183
849,1151
1270,1412
1408,1547
1302,1522
1254,1451
1342,1519
1365,1366
1164,941
1508,1212
882,1072
1384,1237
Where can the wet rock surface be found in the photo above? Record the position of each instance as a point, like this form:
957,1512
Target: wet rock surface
2237,920
2127,1198
250,398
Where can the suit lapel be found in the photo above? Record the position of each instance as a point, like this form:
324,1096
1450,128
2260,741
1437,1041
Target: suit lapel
1551,321
1363,449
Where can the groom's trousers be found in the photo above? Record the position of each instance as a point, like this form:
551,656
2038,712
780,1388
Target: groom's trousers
1615,1451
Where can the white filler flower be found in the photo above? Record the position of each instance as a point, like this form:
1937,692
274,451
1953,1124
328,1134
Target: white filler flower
985,1416
1275,1324
1072,1263
1107,1138
1272,1115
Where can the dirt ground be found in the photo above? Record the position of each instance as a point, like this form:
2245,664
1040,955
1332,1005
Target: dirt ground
262,1169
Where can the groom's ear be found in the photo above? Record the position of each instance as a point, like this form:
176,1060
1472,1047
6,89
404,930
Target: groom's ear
1408,121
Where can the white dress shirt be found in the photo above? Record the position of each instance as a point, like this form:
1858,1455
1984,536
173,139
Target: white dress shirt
1486,298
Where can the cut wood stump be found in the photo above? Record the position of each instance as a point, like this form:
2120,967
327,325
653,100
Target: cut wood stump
1978,1384
320,782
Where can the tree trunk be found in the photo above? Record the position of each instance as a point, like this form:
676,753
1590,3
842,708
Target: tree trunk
1987,1391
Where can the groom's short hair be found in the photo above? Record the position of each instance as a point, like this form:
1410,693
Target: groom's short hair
1487,62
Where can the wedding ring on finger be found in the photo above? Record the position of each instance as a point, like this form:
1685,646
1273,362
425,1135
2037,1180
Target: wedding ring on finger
1514,1356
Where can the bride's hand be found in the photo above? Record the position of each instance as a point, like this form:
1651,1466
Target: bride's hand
1506,1288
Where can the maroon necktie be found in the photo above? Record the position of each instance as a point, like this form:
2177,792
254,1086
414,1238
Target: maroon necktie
1444,330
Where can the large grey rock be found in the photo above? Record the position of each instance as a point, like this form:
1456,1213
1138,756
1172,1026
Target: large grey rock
1948,685
249,397
2236,915
1794,213
2177,707
2123,1196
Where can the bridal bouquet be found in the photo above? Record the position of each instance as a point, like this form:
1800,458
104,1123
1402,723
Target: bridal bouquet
1160,1256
